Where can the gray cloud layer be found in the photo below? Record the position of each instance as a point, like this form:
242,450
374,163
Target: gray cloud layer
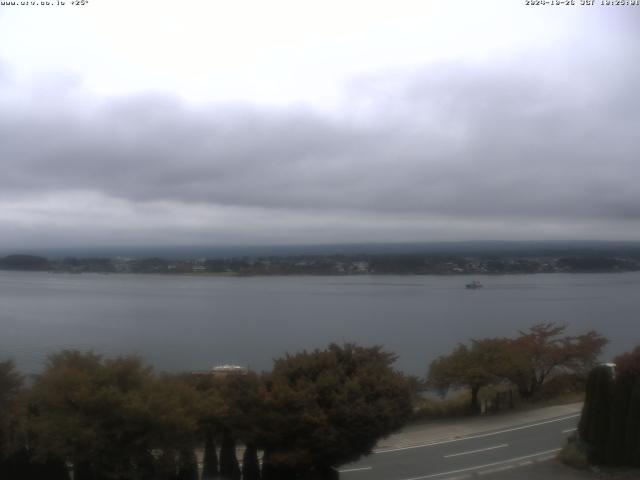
549,137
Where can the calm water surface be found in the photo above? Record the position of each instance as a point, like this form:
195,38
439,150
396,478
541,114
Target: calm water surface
193,322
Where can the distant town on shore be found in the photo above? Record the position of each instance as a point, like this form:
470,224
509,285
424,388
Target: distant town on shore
396,261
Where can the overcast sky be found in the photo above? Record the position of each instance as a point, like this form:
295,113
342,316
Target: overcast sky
242,122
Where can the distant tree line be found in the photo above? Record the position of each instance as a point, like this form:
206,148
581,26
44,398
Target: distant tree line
114,418
526,362
374,264
24,262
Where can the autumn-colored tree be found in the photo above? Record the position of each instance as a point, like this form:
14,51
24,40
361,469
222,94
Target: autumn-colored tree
543,350
107,416
328,407
482,363
628,363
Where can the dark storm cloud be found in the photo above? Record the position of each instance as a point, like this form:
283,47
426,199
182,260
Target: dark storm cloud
550,134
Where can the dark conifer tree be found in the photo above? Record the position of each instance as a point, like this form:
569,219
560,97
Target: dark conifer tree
210,462
615,445
83,471
229,467
147,467
18,465
250,464
54,469
166,466
267,472
596,413
632,437
187,465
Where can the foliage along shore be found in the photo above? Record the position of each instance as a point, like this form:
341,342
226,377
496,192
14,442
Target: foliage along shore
114,418
388,264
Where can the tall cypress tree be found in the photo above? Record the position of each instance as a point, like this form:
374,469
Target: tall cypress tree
632,437
615,445
250,464
166,466
187,465
146,467
19,466
267,472
83,471
210,461
55,469
229,467
596,413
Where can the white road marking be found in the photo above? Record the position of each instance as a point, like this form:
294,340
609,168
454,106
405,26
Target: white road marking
347,470
469,452
478,467
495,470
568,430
471,437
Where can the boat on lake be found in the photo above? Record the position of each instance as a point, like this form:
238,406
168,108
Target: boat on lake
473,285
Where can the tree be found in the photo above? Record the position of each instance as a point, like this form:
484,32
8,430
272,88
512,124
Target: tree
187,465
596,412
628,434
107,416
10,387
542,350
22,465
240,418
628,363
616,437
167,465
482,363
328,407
610,421
250,464
229,467
24,262
210,460
232,407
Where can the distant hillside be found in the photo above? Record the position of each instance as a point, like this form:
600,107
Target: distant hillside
469,248
24,262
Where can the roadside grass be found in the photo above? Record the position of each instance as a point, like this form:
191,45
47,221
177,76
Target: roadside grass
435,408
562,399
573,454
431,406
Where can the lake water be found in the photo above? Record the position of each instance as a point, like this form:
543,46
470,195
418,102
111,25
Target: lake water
194,322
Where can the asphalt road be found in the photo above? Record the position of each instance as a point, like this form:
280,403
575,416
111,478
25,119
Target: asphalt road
482,453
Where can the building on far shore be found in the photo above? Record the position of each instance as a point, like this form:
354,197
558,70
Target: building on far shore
223,371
